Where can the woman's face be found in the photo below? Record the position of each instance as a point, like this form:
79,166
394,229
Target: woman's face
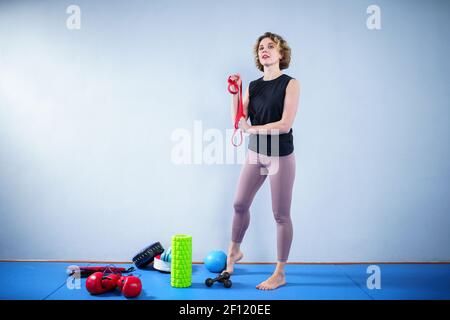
268,52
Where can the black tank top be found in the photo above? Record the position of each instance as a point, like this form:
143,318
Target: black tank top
266,104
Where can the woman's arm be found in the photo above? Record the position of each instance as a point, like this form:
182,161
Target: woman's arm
287,119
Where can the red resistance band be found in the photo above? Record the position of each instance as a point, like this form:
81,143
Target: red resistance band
233,88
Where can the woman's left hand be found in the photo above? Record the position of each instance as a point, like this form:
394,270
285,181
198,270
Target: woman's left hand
243,125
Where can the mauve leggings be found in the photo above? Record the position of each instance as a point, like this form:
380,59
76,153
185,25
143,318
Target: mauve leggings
281,172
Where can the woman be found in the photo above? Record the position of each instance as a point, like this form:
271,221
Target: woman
271,103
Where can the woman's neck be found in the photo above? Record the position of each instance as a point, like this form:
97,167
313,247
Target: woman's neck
271,72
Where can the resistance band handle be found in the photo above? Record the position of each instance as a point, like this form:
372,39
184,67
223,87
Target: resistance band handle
232,84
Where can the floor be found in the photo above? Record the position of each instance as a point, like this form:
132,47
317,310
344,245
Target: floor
48,280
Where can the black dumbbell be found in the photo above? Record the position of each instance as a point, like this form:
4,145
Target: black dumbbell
223,278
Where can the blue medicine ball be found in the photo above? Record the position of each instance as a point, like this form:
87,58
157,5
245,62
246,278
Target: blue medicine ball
216,261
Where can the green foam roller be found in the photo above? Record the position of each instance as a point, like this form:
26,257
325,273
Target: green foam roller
183,261
180,284
179,280
181,269
182,266
184,285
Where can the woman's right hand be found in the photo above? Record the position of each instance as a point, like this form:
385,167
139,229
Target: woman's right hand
236,77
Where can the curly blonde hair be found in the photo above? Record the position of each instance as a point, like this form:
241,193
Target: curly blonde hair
282,45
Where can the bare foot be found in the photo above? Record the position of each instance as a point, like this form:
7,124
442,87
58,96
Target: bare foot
232,258
277,279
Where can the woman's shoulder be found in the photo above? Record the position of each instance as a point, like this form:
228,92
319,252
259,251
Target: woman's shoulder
292,81
289,77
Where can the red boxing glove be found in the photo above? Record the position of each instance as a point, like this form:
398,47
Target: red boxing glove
120,283
98,283
130,286
94,283
109,282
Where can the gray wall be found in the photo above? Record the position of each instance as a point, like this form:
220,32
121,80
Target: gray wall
87,119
